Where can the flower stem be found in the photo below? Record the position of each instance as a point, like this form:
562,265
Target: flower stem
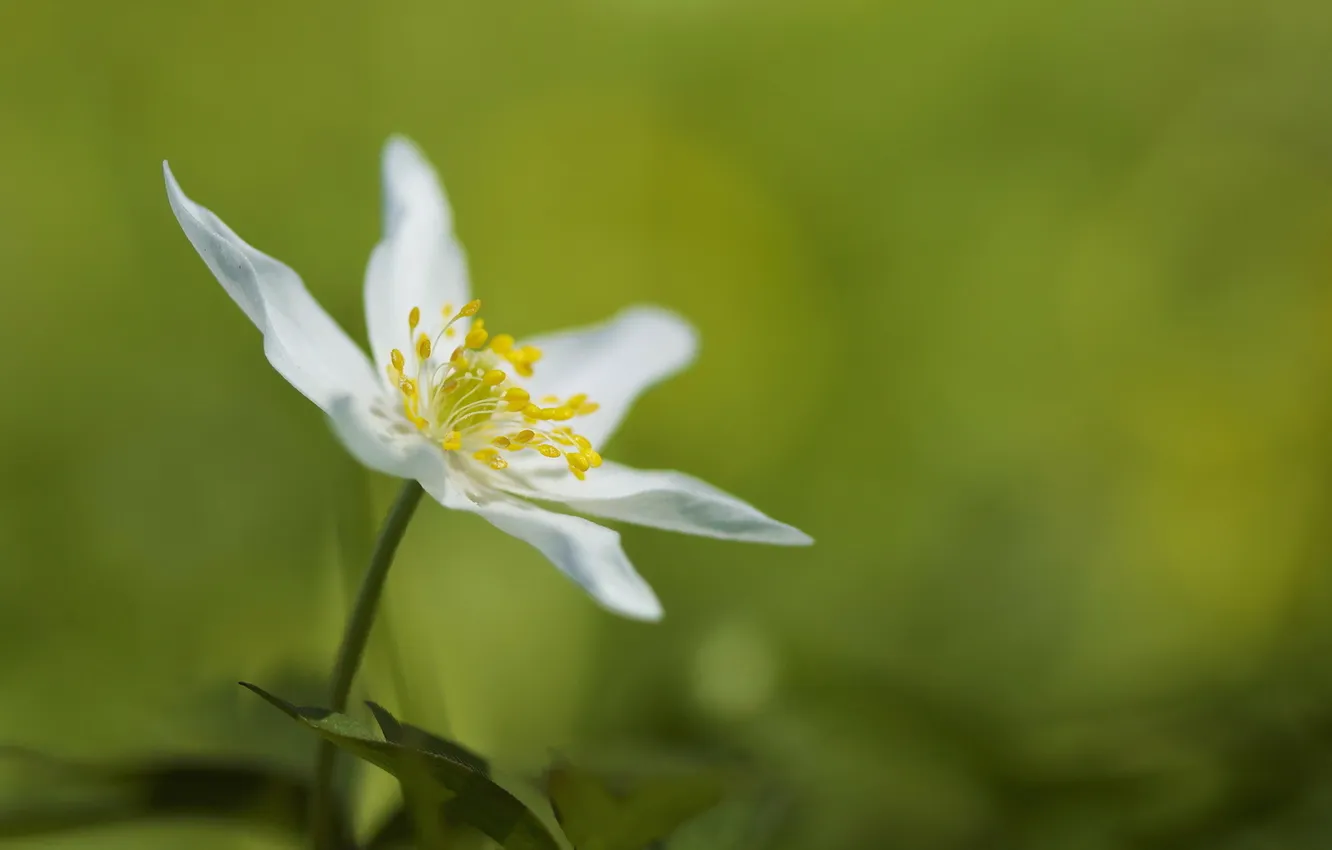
354,639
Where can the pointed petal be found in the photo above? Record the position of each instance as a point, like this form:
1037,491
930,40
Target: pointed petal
386,444
663,499
613,363
302,341
418,262
588,553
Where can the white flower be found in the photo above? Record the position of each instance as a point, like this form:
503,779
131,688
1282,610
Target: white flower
485,423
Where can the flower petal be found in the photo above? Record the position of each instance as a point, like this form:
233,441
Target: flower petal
613,362
418,262
302,341
662,499
385,443
588,553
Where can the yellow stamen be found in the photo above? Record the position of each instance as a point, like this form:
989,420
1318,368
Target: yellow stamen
577,460
453,441
471,308
476,337
502,344
548,450
495,377
413,318
423,347
396,358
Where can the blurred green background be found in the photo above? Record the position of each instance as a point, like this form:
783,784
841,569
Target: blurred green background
1022,309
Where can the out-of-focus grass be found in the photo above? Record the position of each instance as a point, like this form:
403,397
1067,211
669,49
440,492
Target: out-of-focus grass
1023,310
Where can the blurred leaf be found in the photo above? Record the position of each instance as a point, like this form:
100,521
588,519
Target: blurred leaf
58,796
399,831
449,785
630,810
415,737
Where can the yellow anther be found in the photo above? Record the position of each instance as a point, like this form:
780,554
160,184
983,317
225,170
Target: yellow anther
501,442
396,358
593,458
453,441
525,435
476,337
408,387
590,407
458,358
560,414
576,401
550,399
530,353
577,460
499,463
449,386
562,438
448,310
486,455
548,450
501,344
471,308
495,377
450,332
578,473
414,318
531,411
583,442
423,347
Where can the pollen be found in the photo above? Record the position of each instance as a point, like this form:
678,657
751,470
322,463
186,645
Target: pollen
472,402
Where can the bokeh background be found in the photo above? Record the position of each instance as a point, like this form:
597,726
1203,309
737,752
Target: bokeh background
1022,309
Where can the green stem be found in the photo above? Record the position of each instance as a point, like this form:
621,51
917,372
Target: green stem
354,640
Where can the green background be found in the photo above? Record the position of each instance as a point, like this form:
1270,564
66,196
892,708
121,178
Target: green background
1023,310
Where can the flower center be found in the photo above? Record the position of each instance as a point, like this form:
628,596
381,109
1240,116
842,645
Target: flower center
468,402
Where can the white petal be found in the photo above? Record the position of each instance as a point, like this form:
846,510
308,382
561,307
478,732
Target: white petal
613,362
588,553
663,499
302,341
386,443
418,262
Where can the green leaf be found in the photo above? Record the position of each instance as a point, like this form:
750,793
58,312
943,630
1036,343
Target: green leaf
443,778
631,809
59,796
